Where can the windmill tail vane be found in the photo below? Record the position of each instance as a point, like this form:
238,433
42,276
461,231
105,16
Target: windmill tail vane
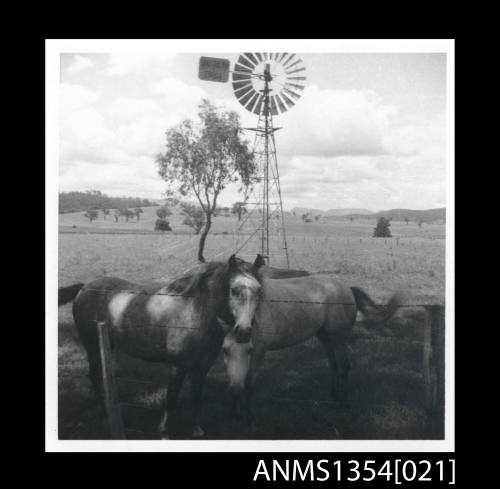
266,84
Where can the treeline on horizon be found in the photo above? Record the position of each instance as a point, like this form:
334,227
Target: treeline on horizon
94,199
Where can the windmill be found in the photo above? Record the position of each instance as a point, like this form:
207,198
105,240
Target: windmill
266,84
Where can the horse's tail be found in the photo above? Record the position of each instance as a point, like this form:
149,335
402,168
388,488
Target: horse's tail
375,313
67,294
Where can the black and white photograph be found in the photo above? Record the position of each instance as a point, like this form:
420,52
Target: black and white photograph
250,245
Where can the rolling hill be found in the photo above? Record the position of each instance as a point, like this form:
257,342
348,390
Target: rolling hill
330,212
429,215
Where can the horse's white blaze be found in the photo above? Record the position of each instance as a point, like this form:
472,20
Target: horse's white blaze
159,304
117,306
246,281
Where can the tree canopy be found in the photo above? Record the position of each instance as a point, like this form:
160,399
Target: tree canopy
202,157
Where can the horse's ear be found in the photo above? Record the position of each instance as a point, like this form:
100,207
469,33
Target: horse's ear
259,261
233,265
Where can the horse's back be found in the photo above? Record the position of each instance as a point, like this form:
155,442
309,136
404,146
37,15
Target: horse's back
295,309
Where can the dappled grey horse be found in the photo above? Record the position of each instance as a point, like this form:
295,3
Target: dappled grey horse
270,314
174,323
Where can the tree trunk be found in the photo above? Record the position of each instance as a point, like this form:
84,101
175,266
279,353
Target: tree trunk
203,238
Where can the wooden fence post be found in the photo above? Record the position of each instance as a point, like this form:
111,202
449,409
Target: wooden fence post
434,358
113,414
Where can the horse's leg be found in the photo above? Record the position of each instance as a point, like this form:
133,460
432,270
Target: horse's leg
90,340
344,365
327,340
198,376
175,379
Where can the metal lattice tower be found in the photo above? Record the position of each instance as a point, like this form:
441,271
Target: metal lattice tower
266,84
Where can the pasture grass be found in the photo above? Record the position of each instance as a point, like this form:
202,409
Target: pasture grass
292,394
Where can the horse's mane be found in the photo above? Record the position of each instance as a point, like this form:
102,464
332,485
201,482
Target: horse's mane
210,277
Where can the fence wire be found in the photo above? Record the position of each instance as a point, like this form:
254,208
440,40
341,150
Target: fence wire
284,301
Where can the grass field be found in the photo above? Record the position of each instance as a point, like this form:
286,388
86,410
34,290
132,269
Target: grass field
386,385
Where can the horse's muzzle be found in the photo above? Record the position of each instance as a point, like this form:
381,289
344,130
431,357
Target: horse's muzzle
243,334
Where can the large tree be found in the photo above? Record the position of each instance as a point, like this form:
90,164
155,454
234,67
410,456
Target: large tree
202,157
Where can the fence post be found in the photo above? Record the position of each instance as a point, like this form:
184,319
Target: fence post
113,414
434,359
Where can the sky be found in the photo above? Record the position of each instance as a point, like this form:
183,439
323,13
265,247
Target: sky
368,132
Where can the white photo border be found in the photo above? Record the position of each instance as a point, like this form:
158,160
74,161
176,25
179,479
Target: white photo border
53,49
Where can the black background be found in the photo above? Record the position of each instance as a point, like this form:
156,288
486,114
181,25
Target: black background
207,469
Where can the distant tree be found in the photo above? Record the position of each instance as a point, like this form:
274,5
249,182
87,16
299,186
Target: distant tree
127,214
116,214
138,211
91,214
420,222
162,225
351,218
407,220
317,218
294,215
194,216
203,157
163,212
105,212
382,229
239,209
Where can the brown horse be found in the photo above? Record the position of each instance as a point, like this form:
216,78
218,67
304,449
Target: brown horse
274,314
174,323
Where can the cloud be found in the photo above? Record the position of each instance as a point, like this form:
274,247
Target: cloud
336,148
73,97
331,123
107,141
80,63
120,64
174,93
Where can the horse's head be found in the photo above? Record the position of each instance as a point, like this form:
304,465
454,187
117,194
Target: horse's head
244,297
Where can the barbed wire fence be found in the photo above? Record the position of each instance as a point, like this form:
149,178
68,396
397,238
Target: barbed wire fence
432,340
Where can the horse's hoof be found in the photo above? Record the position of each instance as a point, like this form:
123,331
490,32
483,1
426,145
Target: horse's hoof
198,432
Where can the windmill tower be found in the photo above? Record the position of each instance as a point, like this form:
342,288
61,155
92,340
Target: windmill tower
266,84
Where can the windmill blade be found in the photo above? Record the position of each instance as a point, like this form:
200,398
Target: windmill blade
240,93
259,56
281,57
245,98
274,109
243,61
242,69
296,78
294,85
252,102
295,63
281,105
295,71
242,90
295,95
258,106
288,59
252,59
241,76
289,102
